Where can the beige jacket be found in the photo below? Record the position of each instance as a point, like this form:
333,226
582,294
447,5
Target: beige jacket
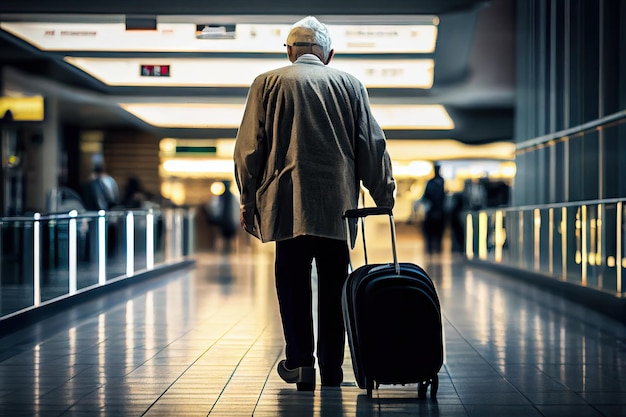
295,162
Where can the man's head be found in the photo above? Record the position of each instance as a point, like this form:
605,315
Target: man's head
309,36
97,161
437,168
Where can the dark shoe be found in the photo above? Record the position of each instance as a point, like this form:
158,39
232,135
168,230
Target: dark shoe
303,377
332,379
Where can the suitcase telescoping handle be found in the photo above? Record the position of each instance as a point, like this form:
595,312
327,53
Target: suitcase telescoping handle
361,213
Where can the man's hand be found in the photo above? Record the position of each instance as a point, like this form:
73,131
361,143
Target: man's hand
242,220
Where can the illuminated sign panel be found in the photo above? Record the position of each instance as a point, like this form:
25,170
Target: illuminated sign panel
22,109
233,38
240,72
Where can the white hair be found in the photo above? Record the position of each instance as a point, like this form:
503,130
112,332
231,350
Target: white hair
319,31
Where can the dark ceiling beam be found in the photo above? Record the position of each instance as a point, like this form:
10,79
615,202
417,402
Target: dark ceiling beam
194,7
455,37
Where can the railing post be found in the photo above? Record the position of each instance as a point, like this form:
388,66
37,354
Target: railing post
536,239
72,255
190,232
618,252
520,238
564,237
130,244
483,227
469,236
498,236
178,230
551,230
37,260
168,238
583,246
150,240
102,255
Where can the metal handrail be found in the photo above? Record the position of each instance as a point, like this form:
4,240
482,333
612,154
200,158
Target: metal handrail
587,248
540,140
556,205
73,214
85,234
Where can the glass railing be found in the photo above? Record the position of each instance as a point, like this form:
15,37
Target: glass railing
580,242
45,257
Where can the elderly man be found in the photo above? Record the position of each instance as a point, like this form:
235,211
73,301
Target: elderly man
306,141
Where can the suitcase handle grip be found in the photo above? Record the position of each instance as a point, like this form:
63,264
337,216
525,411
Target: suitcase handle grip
367,211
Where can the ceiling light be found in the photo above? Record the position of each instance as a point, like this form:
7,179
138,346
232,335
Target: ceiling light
412,116
413,169
188,115
224,116
200,167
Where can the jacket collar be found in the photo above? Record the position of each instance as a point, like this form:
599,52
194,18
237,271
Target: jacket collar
309,59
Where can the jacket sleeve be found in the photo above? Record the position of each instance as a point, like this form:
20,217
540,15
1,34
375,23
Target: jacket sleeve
372,159
250,155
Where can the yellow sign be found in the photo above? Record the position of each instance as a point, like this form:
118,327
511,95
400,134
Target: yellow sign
22,109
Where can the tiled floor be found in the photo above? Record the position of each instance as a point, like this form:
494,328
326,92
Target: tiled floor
206,341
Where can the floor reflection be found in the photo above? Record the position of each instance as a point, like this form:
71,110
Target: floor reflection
206,341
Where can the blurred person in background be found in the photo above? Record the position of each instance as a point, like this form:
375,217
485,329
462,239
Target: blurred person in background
135,195
101,191
434,220
228,220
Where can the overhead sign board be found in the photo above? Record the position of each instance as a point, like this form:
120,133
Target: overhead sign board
231,38
240,72
22,109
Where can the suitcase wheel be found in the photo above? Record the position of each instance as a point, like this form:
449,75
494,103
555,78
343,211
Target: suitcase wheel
369,385
422,387
434,387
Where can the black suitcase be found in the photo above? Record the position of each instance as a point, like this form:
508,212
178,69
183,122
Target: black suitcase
393,320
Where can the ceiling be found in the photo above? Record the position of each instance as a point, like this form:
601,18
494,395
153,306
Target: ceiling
473,72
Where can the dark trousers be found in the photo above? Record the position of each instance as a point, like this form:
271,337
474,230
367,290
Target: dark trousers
293,265
433,234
